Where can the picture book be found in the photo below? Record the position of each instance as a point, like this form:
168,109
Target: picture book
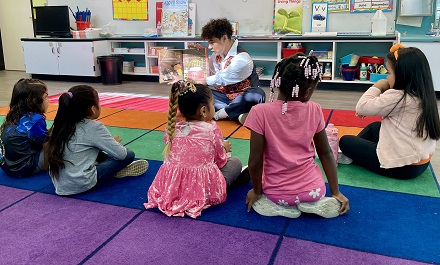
192,19
287,17
158,14
181,64
175,18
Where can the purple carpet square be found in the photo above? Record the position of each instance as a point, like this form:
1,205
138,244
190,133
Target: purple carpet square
154,238
297,251
47,229
10,195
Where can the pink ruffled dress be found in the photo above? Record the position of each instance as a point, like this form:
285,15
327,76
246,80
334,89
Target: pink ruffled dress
190,179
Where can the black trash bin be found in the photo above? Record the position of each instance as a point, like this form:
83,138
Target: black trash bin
111,69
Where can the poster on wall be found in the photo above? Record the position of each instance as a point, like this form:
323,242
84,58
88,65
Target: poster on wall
175,18
370,6
130,10
335,5
319,17
287,16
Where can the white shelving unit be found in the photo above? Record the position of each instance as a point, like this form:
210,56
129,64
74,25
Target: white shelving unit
265,51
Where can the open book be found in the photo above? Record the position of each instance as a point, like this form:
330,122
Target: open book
180,64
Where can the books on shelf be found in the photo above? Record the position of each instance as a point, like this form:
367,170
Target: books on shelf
175,18
180,64
158,15
287,17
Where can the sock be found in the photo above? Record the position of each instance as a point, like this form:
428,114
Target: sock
221,114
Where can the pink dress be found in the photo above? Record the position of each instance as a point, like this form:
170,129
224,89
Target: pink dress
190,179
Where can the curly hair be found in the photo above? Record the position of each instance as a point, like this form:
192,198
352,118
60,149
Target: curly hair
27,96
217,28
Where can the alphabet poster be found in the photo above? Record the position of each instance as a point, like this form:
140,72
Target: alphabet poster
319,17
335,5
370,6
130,9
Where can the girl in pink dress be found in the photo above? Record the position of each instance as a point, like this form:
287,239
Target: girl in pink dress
196,168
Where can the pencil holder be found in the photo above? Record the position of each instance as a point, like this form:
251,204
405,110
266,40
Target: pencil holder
82,25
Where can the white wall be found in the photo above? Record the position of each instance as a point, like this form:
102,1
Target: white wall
254,16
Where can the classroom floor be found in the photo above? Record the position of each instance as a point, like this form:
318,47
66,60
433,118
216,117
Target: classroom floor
329,99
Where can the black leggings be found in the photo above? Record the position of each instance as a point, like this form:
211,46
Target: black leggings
362,149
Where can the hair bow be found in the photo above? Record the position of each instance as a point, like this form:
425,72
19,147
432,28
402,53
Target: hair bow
186,85
395,48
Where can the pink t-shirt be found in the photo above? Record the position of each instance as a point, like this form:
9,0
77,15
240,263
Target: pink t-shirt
288,167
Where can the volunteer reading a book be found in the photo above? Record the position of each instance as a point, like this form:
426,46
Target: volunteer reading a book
231,73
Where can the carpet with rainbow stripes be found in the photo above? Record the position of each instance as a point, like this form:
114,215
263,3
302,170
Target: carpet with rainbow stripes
390,221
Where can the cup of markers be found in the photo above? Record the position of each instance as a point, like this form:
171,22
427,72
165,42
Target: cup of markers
82,18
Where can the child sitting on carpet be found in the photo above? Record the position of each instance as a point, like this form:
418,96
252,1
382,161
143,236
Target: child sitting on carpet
401,145
281,159
82,151
196,169
24,131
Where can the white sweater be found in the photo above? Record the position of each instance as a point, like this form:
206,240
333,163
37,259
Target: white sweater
398,142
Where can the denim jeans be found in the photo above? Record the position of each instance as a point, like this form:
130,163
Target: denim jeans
241,104
107,166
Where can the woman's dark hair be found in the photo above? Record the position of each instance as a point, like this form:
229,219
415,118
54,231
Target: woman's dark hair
292,73
216,28
74,106
27,96
188,98
413,77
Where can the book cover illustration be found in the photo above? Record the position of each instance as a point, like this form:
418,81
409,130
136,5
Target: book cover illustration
192,19
287,17
181,64
175,18
158,15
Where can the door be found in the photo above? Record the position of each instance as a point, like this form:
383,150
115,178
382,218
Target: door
15,23
76,58
41,57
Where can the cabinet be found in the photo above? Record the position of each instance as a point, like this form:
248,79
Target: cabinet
430,49
76,58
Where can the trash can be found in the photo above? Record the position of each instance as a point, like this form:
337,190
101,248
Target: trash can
111,69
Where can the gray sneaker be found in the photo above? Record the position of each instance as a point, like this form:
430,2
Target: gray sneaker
326,207
136,168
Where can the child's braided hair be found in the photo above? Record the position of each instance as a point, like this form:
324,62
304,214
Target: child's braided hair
186,97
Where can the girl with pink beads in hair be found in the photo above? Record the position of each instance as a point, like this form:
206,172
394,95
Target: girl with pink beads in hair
285,178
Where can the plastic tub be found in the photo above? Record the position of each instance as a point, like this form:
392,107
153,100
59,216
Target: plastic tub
348,73
287,52
377,77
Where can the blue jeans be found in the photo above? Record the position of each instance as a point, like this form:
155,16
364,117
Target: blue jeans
107,166
241,104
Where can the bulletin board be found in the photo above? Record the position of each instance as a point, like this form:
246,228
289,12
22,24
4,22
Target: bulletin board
130,10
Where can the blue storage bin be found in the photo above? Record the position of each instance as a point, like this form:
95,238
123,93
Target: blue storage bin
376,77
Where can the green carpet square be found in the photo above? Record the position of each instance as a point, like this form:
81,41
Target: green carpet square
149,146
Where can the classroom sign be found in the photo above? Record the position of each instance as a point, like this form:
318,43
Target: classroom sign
370,6
335,5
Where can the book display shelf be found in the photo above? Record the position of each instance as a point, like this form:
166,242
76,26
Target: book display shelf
141,54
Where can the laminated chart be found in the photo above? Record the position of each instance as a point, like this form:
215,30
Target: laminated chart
358,6
130,9
336,5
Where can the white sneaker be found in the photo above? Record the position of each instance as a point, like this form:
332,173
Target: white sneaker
343,159
326,207
266,207
242,118
136,168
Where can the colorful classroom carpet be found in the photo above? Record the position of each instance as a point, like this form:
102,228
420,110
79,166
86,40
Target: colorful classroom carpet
390,221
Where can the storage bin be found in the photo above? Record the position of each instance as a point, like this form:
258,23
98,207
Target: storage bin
376,77
321,54
287,52
348,73
346,59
